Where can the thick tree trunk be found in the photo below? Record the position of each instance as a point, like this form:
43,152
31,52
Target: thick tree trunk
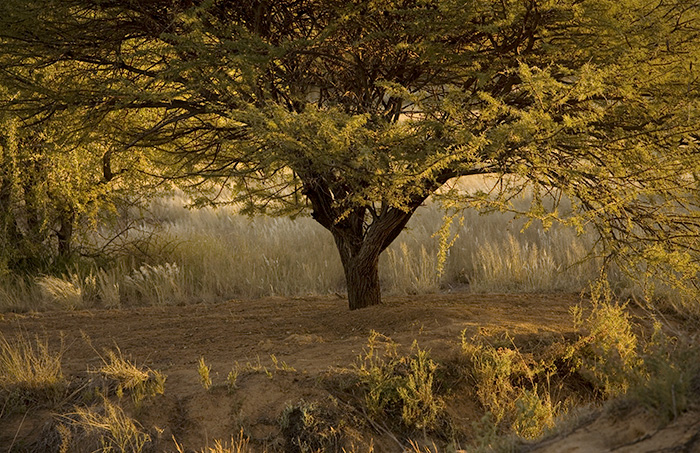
359,250
361,268
360,235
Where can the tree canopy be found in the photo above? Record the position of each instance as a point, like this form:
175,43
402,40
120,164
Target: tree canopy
359,110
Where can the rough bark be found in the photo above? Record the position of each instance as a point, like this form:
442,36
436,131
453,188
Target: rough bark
360,247
361,266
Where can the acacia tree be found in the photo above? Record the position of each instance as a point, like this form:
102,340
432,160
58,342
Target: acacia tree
51,192
358,110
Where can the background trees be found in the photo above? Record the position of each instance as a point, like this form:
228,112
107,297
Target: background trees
52,189
358,111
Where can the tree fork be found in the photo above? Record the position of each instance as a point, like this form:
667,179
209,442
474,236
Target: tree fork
359,253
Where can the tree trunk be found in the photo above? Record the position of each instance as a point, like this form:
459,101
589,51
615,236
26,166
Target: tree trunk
360,235
360,248
65,234
361,268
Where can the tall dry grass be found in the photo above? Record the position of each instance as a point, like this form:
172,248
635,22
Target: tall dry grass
191,255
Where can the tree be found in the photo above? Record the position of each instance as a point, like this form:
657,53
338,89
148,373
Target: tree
359,110
52,190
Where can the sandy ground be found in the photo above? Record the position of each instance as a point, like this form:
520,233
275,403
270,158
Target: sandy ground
312,335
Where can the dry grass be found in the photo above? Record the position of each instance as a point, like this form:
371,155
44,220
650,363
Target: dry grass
104,428
213,254
125,376
30,374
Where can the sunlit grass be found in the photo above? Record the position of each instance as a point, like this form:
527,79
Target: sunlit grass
30,373
193,255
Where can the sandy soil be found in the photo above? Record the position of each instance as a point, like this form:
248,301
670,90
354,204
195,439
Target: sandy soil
313,335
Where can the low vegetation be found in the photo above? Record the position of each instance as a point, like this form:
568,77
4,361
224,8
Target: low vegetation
30,374
522,388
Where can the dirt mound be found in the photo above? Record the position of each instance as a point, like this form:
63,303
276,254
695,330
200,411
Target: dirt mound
633,431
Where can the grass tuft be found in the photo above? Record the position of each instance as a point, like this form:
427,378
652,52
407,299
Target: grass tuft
105,428
30,374
127,377
204,374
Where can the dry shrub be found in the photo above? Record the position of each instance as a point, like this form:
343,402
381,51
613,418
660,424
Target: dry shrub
104,428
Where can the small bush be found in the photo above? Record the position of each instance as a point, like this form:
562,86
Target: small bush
607,353
398,386
507,385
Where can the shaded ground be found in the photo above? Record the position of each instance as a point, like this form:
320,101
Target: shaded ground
311,335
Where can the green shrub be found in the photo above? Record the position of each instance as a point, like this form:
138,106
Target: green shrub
607,353
507,384
397,386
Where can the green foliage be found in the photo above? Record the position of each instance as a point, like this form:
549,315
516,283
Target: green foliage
400,387
522,391
359,111
608,353
508,386
53,191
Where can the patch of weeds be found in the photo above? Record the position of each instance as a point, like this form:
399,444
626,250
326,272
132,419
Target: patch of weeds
30,374
281,365
103,428
124,375
257,367
204,370
669,369
308,427
239,444
397,386
607,354
508,384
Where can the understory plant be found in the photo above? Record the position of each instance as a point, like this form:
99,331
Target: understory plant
399,386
